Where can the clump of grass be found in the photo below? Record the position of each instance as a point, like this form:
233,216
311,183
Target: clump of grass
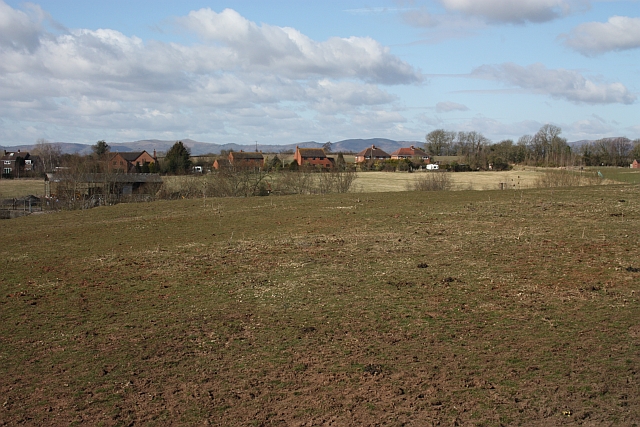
566,178
435,181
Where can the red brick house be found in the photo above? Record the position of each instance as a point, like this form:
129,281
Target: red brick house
131,161
410,153
16,164
242,159
371,153
635,164
312,157
221,163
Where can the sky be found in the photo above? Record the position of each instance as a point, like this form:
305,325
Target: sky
282,72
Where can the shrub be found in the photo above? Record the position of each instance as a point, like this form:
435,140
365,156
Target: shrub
565,178
434,181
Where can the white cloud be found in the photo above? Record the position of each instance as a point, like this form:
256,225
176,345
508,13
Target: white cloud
18,30
516,11
593,127
594,38
448,106
559,83
241,77
289,52
377,119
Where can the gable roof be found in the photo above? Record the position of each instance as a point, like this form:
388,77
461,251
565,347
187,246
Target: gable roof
244,155
409,151
129,156
12,155
128,178
373,151
311,152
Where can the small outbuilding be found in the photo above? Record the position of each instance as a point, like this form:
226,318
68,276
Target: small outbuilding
111,186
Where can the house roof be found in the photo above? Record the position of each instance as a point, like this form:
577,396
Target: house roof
409,151
244,155
127,178
129,156
311,152
373,151
12,155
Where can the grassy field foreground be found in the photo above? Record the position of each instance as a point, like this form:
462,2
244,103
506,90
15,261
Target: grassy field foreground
469,308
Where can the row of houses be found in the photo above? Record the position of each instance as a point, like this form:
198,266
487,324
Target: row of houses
318,157
302,156
17,164
376,153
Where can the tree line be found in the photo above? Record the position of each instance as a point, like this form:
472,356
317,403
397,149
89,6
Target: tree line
545,148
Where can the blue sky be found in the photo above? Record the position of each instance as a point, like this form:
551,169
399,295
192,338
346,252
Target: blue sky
292,71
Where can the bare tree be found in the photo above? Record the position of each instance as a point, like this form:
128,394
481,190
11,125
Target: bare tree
50,154
439,142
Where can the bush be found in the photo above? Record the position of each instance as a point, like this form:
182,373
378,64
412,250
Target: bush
566,178
433,181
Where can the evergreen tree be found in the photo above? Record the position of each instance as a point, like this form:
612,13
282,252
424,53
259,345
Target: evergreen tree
178,159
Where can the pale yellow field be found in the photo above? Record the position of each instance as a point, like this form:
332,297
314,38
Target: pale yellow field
371,182
10,188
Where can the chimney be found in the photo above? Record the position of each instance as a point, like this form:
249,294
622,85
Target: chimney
154,153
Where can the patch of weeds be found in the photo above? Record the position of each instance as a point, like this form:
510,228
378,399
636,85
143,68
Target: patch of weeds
300,367
372,369
400,284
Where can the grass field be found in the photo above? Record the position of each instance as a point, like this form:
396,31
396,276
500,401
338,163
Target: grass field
627,175
10,188
471,308
368,182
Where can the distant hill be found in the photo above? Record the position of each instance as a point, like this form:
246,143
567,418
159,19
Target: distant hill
200,148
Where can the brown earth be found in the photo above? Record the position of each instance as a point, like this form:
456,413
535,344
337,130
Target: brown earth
402,309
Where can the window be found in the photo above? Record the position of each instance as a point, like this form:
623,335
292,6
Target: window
7,162
7,171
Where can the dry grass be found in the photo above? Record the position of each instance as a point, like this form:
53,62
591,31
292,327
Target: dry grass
10,188
370,182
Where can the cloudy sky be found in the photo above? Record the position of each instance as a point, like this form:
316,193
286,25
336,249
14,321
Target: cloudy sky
289,71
